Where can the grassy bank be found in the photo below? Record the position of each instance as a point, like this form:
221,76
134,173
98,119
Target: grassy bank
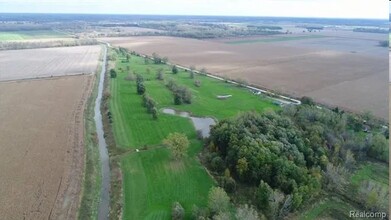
92,178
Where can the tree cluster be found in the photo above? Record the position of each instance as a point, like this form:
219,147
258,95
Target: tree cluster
140,85
182,95
158,59
290,155
150,104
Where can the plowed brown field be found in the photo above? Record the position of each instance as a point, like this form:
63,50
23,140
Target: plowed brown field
46,62
41,145
354,80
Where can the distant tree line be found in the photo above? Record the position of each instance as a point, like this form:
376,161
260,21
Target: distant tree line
384,43
5,45
372,30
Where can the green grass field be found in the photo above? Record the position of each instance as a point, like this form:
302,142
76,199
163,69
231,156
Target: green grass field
275,39
371,171
152,180
328,209
27,35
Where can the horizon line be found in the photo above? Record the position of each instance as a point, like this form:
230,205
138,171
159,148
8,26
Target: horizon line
195,15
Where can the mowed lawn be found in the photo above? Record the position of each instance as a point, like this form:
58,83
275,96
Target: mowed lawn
152,180
27,35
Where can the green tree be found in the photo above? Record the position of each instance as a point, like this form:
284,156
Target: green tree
177,143
140,88
146,60
192,69
222,216
174,69
113,73
379,148
197,83
203,71
263,195
218,200
127,57
242,166
246,212
178,98
305,100
159,74
154,112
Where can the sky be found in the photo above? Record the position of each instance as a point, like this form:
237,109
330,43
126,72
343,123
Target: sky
378,9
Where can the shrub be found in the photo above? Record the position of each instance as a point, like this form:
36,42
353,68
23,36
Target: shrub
177,212
130,77
197,83
177,143
174,69
113,73
218,200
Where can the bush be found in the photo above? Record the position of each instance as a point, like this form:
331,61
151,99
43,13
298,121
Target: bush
140,88
113,73
177,212
154,112
197,83
378,148
106,95
177,143
218,200
229,184
159,74
174,69
307,101
217,164
246,212
130,77
181,95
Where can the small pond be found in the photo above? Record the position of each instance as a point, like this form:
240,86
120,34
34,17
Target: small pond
201,124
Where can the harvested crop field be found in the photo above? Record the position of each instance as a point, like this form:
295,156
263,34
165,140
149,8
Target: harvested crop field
354,80
47,62
41,140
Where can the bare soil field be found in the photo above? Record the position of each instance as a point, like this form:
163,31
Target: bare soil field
47,62
41,140
355,81
342,41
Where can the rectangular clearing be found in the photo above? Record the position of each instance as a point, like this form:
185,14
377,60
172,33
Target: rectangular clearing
42,145
47,62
